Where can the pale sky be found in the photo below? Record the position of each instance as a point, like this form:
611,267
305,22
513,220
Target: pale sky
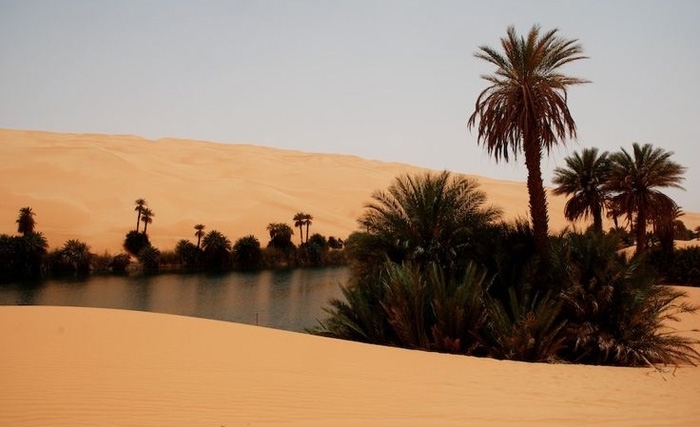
387,80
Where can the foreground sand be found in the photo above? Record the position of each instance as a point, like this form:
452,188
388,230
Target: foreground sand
84,187
64,366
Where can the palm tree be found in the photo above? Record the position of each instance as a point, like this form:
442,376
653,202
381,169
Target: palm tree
299,220
584,180
307,222
524,109
25,221
217,248
697,232
635,180
422,218
199,233
140,205
147,218
280,235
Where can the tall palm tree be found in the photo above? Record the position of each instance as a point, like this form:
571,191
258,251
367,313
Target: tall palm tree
25,221
583,179
140,205
635,180
199,233
299,220
307,222
147,218
524,109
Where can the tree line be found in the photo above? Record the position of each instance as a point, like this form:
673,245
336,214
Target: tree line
27,257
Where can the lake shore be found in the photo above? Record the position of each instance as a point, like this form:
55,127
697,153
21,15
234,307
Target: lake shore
86,366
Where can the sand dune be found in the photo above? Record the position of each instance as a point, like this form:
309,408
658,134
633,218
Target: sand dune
63,366
84,367
83,186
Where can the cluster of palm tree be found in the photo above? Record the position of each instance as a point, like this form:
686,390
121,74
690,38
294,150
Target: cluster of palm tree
302,219
625,185
27,256
435,269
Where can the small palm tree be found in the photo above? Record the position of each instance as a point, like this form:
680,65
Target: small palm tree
76,254
280,235
307,222
524,109
422,218
583,179
140,205
147,218
636,179
25,221
697,232
217,248
299,220
199,233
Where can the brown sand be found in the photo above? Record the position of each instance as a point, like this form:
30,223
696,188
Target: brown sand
84,187
66,366
62,366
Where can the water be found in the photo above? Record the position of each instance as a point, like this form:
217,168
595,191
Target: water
291,300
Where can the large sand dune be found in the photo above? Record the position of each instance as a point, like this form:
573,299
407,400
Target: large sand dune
84,186
65,366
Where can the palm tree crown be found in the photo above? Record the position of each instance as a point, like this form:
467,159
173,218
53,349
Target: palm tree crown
199,233
635,180
25,221
525,107
430,217
583,179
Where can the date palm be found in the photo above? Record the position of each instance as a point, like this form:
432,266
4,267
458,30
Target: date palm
140,205
299,220
636,179
307,222
199,233
583,180
25,221
524,110
422,218
147,218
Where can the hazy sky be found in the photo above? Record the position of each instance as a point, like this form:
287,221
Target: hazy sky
388,80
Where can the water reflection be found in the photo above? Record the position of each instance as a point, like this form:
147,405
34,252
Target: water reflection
291,300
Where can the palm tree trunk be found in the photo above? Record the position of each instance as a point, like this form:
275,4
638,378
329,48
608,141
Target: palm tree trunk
598,220
307,232
138,220
641,230
199,240
301,235
538,198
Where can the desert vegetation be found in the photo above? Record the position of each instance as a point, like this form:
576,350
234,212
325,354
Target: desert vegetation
27,256
435,269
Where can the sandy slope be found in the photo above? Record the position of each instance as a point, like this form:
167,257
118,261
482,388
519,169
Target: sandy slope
63,366
84,186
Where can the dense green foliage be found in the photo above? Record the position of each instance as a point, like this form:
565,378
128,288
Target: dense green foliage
592,305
